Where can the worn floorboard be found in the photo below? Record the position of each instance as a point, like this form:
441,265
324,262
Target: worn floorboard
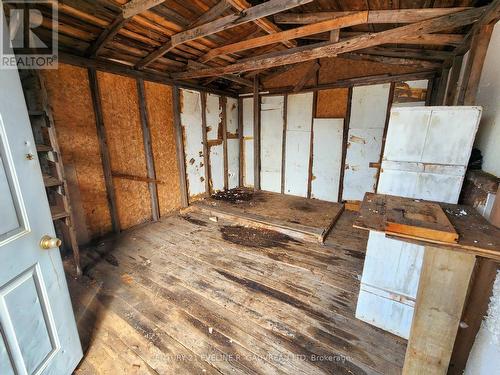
190,296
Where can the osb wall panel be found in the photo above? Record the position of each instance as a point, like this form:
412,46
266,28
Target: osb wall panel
161,124
126,148
71,103
334,69
290,77
332,103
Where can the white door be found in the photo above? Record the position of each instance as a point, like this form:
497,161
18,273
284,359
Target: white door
37,327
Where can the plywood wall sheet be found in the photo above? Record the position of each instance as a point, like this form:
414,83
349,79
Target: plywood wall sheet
69,96
271,128
232,115
363,147
291,77
248,176
298,141
191,123
216,167
334,69
233,162
121,116
369,106
332,103
327,158
213,112
161,124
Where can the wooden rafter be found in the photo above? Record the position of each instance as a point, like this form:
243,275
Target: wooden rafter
393,60
263,23
426,39
134,7
329,49
337,23
257,12
230,77
374,16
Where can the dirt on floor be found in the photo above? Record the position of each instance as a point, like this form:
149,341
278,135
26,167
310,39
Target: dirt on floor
255,237
237,196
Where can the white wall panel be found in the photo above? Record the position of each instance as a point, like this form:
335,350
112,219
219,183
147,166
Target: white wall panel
217,167
213,111
248,177
232,115
233,161
366,129
327,158
298,138
191,122
271,140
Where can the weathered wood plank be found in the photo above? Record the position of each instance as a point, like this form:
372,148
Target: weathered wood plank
256,133
179,146
134,7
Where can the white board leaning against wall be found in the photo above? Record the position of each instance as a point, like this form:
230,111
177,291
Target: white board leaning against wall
298,141
191,122
425,157
364,143
271,141
233,143
248,177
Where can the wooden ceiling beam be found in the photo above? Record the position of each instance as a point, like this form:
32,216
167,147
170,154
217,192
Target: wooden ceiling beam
263,23
407,53
134,7
374,16
329,49
425,39
337,23
220,24
229,77
428,65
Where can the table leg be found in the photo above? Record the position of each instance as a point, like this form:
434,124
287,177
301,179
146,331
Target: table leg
441,295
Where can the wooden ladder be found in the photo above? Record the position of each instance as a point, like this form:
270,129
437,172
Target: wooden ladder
49,155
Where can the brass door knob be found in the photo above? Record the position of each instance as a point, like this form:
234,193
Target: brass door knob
48,242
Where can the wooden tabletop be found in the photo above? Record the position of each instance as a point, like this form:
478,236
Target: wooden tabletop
476,234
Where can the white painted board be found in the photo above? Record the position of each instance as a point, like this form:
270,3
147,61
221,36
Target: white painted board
232,115
216,167
298,141
248,175
191,122
233,163
327,158
421,143
271,140
213,112
366,129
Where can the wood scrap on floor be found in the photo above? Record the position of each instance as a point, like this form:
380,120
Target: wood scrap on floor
300,218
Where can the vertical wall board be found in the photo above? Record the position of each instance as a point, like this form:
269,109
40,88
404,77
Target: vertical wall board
191,123
233,159
233,144
364,143
232,115
71,103
216,167
298,142
213,112
248,178
327,158
271,139
332,103
159,105
122,122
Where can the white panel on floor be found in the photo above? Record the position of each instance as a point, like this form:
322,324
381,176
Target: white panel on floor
233,161
193,141
298,140
217,167
248,178
271,140
366,129
213,111
425,157
327,158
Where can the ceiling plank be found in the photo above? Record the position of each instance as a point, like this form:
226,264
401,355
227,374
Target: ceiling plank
263,23
337,23
211,14
374,16
259,11
224,23
134,7
408,53
106,35
329,49
310,73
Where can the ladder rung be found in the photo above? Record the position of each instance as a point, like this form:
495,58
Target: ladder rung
43,148
50,181
58,212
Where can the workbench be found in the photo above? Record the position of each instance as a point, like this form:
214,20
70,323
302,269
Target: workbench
446,269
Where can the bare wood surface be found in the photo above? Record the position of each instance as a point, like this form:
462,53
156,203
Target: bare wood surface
179,146
476,235
134,7
256,133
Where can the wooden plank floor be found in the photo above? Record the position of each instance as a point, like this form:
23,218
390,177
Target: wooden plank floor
189,296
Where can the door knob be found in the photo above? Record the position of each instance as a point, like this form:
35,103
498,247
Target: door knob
47,242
